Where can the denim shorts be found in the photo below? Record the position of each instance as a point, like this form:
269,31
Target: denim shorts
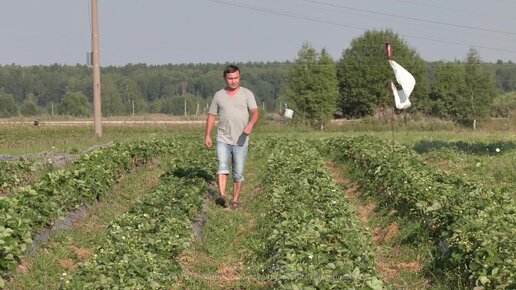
236,155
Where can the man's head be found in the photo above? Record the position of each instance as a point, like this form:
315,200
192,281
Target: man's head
232,77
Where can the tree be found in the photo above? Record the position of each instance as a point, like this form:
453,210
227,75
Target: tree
505,76
447,87
29,108
311,86
112,103
324,106
132,97
8,108
462,91
364,74
504,105
180,105
75,104
480,89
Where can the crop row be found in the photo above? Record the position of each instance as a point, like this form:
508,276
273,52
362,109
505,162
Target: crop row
86,180
315,239
474,227
14,173
142,246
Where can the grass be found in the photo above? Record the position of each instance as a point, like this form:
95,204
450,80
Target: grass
488,158
224,257
22,138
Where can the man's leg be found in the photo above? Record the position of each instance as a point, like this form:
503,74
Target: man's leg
221,180
237,186
239,158
223,157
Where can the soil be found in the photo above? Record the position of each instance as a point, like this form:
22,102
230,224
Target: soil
386,262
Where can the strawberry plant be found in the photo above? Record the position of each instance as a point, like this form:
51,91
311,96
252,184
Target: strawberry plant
316,240
142,248
472,225
86,180
15,173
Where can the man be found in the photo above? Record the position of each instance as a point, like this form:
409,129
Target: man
232,106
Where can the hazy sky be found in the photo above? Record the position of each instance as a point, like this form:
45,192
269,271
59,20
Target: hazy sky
208,31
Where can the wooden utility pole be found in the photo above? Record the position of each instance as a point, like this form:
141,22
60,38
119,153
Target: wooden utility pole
97,112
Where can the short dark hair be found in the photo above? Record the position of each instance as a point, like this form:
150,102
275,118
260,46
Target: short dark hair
231,69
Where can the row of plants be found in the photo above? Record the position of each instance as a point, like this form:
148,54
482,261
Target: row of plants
315,239
474,227
142,247
15,173
490,160
86,180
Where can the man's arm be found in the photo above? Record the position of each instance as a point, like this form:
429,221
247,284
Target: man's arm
255,114
210,122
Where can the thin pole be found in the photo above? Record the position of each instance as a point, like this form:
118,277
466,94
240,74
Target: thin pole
388,54
97,112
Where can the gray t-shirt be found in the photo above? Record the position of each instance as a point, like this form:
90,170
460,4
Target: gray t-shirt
233,115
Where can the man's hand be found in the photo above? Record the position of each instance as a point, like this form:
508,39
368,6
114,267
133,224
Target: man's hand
207,142
248,129
210,121
254,118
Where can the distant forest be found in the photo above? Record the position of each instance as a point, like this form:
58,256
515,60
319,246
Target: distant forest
169,89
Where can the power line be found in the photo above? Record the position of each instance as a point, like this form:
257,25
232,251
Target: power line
410,18
312,19
331,8
460,43
451,9
281,13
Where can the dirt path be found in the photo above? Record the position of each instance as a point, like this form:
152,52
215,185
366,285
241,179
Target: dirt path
392,261
219,260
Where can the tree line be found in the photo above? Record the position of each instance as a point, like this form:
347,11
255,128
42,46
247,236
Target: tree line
131,89
314,85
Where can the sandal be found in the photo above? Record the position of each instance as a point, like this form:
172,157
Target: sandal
221,201
234,205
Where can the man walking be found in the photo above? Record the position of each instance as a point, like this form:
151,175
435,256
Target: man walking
232,105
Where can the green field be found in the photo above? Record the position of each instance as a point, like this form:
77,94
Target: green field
344,209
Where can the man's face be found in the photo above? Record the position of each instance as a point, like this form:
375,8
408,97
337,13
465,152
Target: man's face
232,80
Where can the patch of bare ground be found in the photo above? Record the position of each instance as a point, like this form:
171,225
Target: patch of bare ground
229,273
68,265
214,273
80,254
225,273
23,267
389,258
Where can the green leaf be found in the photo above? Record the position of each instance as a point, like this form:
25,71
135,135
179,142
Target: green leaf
484,280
